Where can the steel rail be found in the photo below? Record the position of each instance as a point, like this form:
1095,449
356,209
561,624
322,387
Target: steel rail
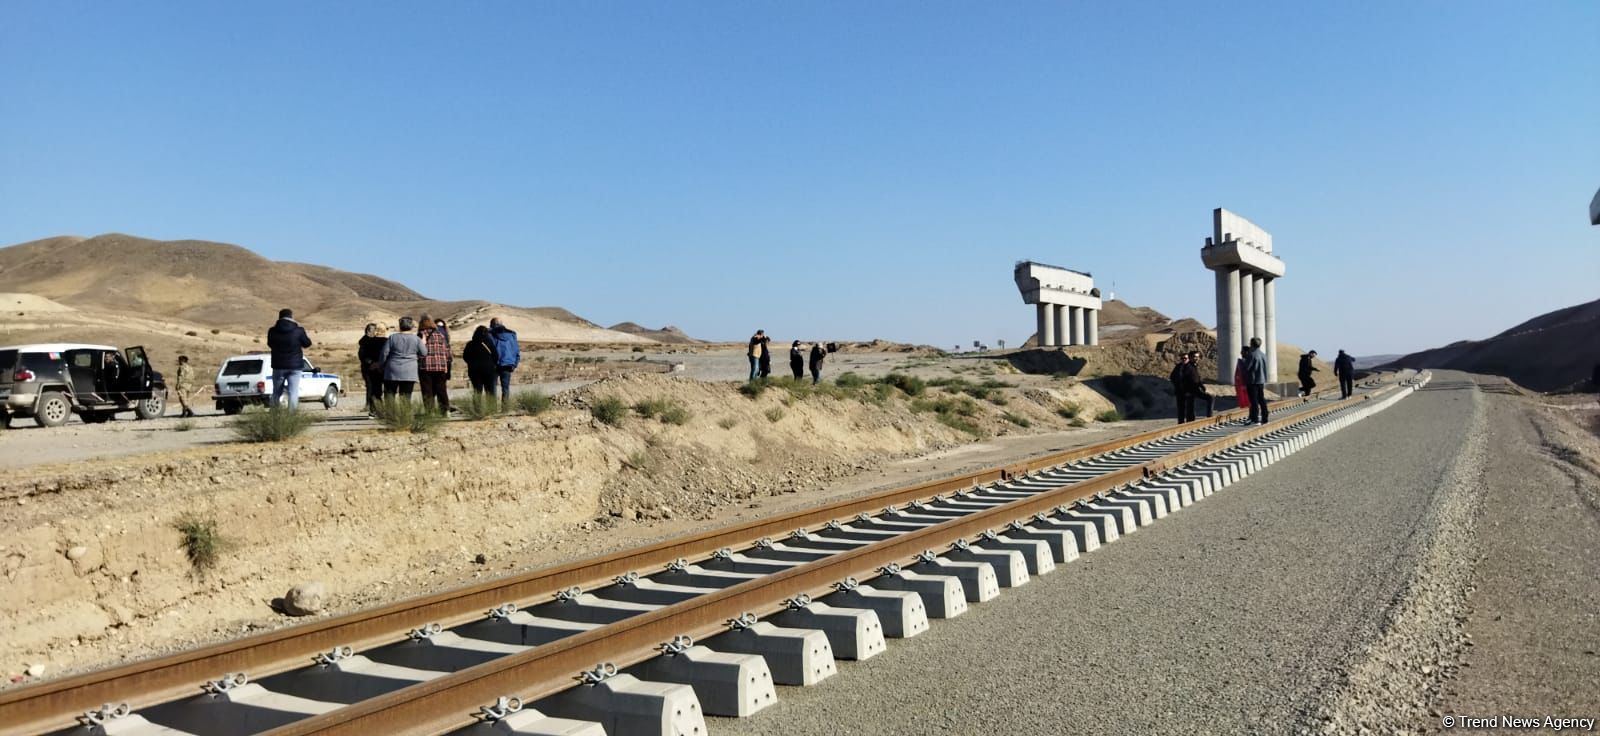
57,703
449,702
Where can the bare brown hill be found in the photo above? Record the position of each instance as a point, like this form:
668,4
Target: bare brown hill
228,288
1553,351
669,334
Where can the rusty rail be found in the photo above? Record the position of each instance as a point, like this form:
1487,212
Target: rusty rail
55,704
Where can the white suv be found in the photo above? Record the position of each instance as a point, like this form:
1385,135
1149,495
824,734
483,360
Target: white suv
247,379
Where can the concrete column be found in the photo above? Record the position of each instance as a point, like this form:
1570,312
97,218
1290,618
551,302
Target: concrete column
1247,307
1227,323
1047,325
1063,335
1260,313
1092,328
1075,325
1269,308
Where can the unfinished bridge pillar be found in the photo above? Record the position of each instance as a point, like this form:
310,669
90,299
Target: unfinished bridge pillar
1068,304
1246,283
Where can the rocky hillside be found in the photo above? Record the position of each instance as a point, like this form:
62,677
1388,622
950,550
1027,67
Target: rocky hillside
227,288
1551,352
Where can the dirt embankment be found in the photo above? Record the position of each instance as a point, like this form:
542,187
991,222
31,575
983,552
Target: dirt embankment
95,569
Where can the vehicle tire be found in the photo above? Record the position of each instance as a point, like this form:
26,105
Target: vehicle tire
231,407
152,407
54,410
330,398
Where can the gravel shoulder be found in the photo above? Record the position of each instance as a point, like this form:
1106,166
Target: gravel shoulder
1240,615
1533,616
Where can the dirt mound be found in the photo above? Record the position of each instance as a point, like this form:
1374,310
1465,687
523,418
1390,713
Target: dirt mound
94,555
229,288
1553,351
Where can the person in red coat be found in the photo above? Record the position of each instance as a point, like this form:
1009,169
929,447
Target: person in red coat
1238,381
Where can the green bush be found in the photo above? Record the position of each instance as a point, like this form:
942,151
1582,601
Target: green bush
274,424
909,385
201,542
774,414
959,423
1109,415
727,422
1069,410
850,379
675,415
532,402
609,410
479,407
649,408
754,388
1017,419
400,414
1077,422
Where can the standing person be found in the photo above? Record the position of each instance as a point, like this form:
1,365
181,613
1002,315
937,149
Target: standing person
817,356
367,351
797,360
482,362
184,385
766,358
1306,369
507,355
1344,367
1180,388
435,369
1255,379
399,358
758,349
1240,393
287,340
444,329
1197,387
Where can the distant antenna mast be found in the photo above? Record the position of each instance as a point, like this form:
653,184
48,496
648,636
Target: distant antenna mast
1113,293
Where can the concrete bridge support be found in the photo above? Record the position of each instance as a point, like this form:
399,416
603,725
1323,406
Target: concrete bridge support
1067,304
1246,277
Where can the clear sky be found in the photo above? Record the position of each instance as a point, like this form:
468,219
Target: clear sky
835,170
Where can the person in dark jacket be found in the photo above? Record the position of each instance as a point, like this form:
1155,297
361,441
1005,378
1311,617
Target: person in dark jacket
287,340
1344,367
757,352
1197,387
797,360
817,356
400,355
1180,389
367,351
1306,369
507,355
483,363
1255,381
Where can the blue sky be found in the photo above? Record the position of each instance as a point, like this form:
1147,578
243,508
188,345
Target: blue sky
835,170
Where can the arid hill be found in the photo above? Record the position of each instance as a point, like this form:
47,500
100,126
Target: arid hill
1550,352
669,334
231,289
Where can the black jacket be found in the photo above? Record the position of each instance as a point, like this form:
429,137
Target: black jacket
368,350
817,354
1344,365
1176,377
1306,368
480,357
1191,379
287,339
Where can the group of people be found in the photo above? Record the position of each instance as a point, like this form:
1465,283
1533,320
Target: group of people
1249,381
760,355
418,353
392,365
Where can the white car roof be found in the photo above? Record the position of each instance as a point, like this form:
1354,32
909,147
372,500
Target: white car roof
57,347
248,356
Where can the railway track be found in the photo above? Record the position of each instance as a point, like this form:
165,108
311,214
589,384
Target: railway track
652,639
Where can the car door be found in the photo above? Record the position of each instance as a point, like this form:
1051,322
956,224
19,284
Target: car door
83,374
312,383
136,378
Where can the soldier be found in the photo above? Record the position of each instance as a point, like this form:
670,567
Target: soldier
184,385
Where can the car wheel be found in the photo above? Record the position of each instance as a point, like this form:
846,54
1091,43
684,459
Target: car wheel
152,407
232,407
54,410
330,398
